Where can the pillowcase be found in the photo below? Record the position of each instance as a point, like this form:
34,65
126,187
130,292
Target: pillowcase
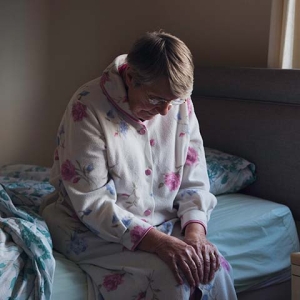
228,173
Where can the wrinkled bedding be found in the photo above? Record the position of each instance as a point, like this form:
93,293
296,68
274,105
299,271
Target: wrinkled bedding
26,261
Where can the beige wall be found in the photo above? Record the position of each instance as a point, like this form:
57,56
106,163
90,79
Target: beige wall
62,44
23,80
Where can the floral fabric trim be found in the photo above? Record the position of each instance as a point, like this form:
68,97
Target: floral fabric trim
228,173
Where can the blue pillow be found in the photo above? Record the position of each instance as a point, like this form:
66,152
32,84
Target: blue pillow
228,173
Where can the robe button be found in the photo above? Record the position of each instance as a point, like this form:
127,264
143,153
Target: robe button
148,172
147,212
142,131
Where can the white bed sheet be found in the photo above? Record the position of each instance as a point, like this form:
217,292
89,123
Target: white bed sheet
70,282
256,236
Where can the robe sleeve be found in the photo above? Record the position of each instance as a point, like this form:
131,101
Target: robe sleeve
194,201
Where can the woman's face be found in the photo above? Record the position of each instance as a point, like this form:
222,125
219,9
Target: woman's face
139,97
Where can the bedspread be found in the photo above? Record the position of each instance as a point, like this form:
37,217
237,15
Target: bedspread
26,261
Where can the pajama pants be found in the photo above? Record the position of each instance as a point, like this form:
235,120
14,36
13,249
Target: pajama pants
117,273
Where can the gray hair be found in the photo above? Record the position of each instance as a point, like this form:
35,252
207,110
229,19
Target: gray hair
159,54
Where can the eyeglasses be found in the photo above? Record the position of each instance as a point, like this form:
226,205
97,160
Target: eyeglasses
154,101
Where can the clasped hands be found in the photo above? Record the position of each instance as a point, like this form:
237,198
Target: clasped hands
194,258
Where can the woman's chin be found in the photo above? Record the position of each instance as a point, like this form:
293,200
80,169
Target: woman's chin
146,116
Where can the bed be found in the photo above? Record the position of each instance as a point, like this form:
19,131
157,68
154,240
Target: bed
255,113
250,123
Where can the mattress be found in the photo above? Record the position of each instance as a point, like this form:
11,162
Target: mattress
256,236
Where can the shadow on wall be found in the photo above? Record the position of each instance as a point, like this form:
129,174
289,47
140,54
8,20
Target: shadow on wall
53,47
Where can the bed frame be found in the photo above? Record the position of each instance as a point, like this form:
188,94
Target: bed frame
255,113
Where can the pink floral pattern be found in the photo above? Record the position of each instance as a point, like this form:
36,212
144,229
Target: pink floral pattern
192,157
79,111
122,68
70,173
112,281
172,181
104,78
189,105
224,263
56,157
67,170
136,233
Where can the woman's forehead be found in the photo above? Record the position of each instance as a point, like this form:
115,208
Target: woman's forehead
161,88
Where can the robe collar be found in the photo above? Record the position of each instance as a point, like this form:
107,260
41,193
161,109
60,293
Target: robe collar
114,87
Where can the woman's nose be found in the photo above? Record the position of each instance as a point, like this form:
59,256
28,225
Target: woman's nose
163,110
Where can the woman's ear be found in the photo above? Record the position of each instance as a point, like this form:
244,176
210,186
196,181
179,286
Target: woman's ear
129,78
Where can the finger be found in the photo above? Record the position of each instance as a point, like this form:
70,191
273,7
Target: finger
198,260
197,249
194,267
201,268
213,264
217,260
186,270
175,270
192,260
206,258
198,269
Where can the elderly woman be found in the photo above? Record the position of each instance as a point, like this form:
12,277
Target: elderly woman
132,196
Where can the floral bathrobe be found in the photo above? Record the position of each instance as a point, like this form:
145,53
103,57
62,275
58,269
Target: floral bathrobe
116,177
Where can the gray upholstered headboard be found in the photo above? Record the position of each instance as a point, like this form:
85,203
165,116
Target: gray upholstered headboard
255,113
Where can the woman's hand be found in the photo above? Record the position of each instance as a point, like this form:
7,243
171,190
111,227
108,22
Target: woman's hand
206,251
177,254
